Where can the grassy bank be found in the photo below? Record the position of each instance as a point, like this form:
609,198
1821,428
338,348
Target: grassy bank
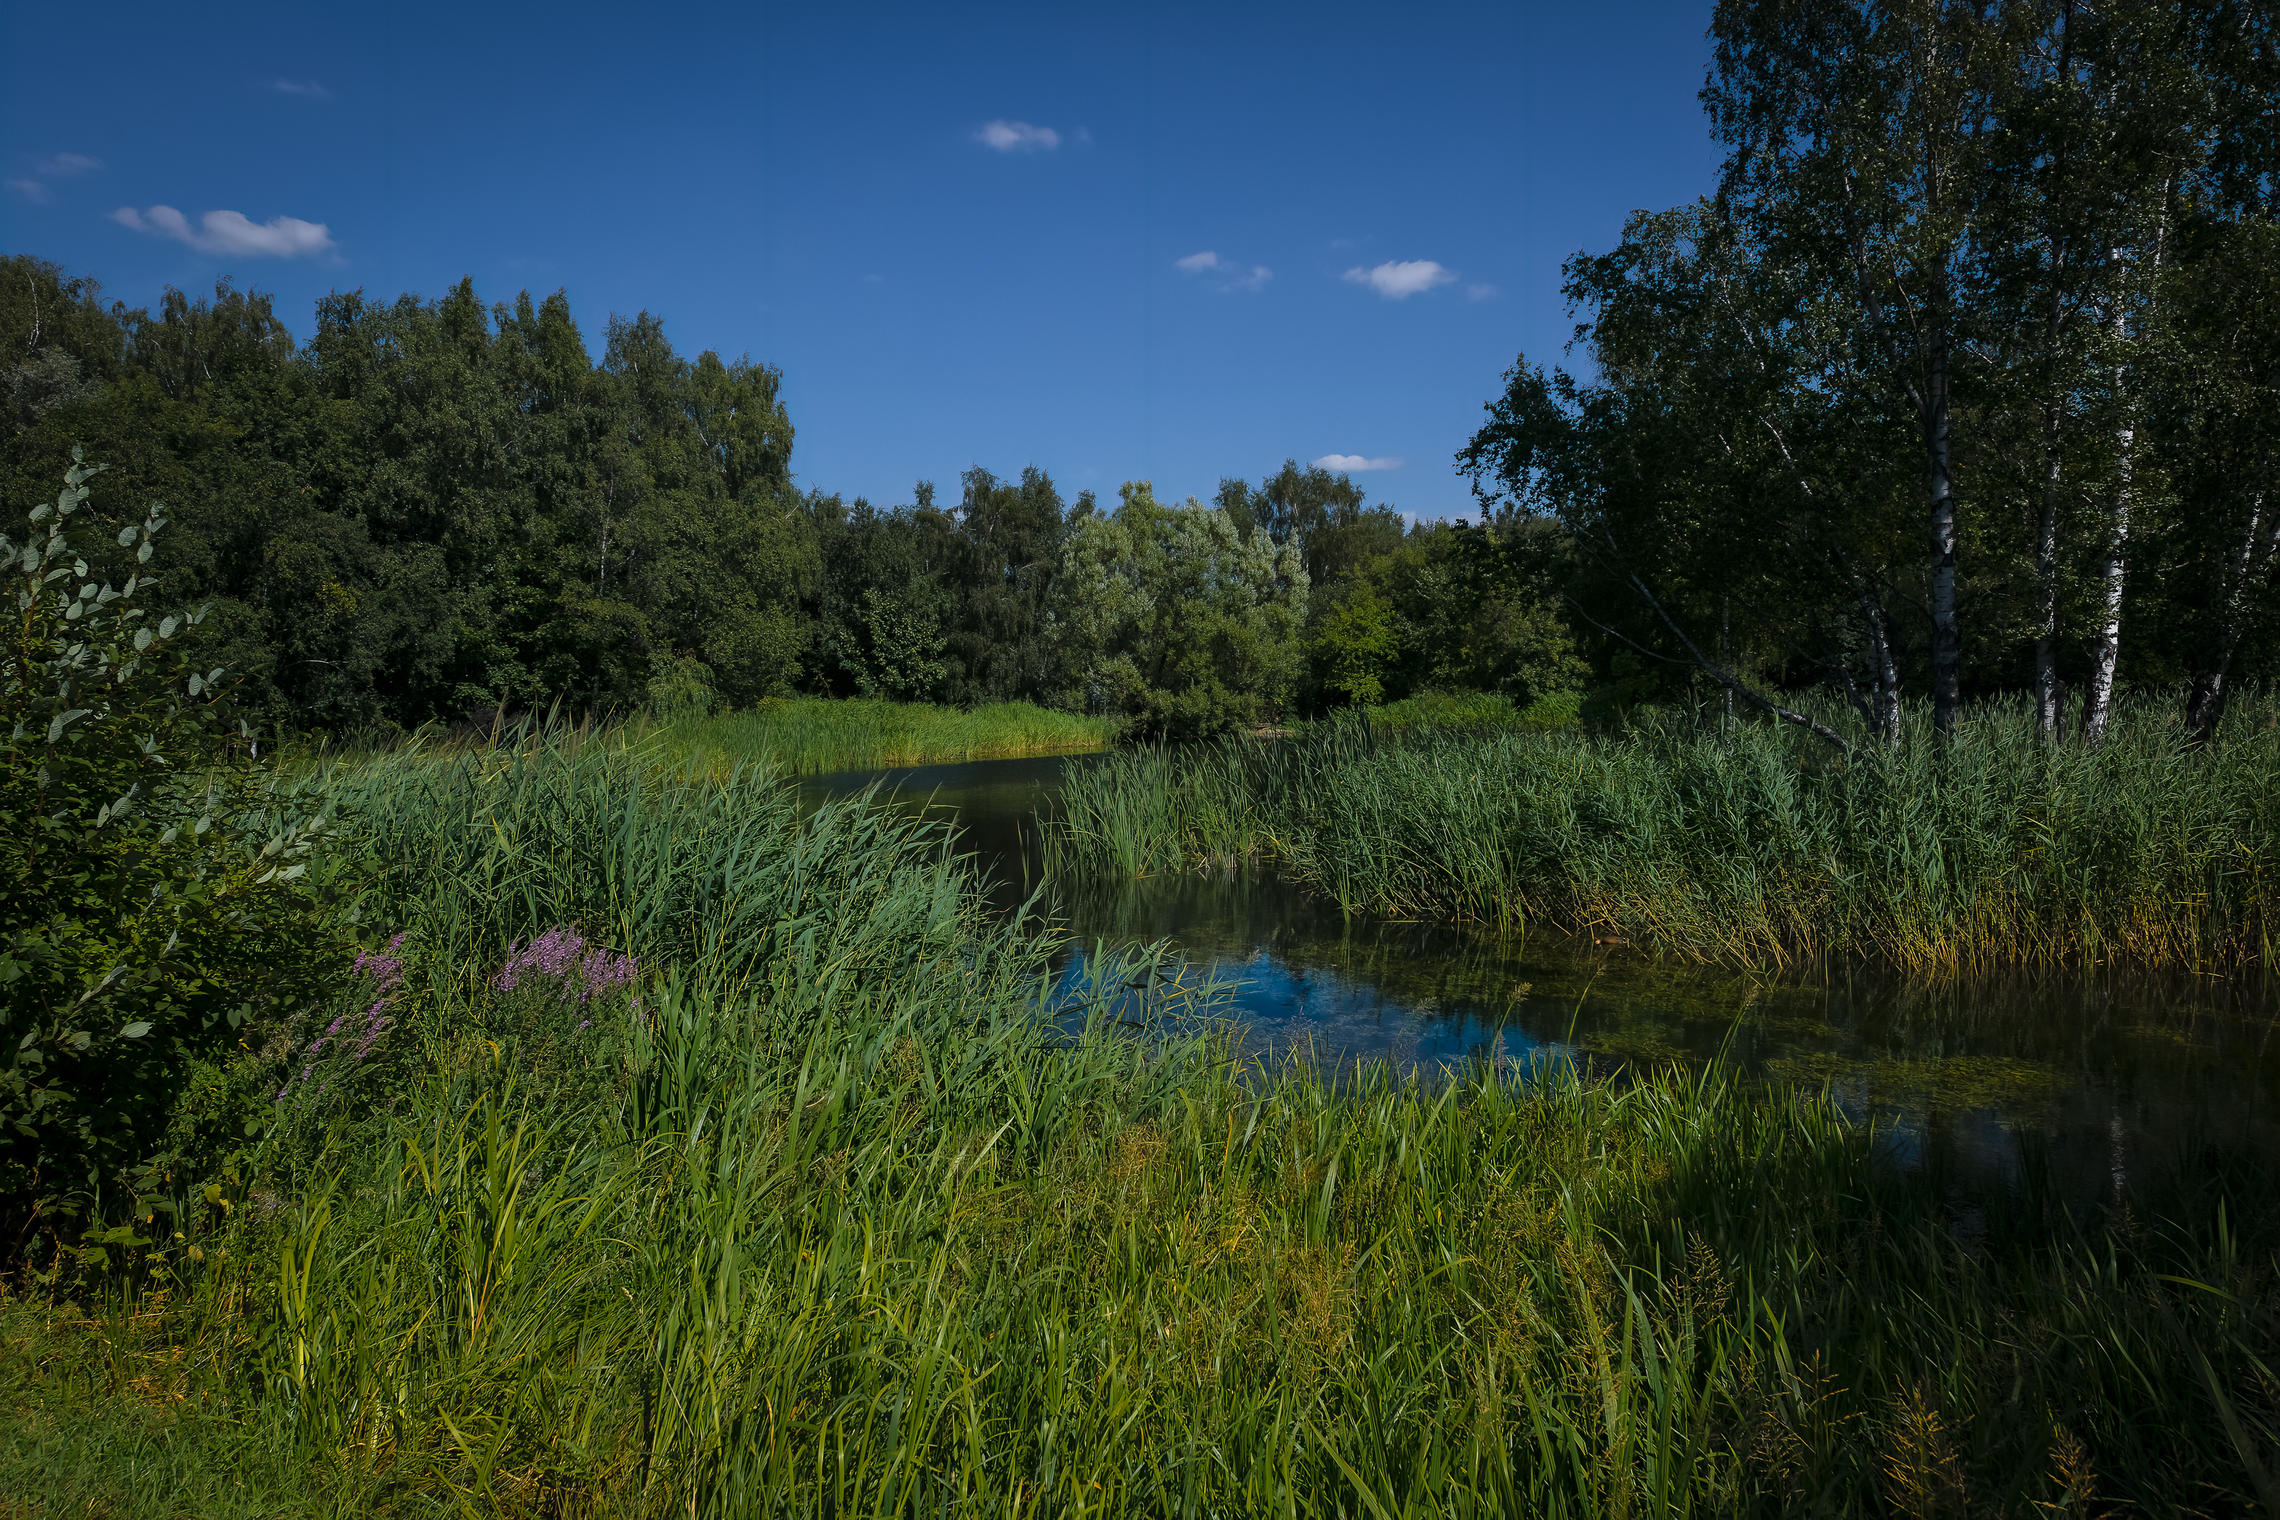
797,1185
813,736
1467,712
1759,845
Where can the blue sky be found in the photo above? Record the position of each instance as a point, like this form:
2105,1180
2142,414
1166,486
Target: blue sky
968,234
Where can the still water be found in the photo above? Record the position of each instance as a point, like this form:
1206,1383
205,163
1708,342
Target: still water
2106,1085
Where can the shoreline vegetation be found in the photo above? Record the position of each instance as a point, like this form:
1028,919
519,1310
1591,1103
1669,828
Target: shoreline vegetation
1755,846
813,736
699,1156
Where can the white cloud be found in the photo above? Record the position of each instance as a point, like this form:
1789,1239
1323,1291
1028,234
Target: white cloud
1355,464
1017,137
306,89
32,187
231,232
1235,276
1400,279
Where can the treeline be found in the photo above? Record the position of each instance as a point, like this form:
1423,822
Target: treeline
432,510
1967,377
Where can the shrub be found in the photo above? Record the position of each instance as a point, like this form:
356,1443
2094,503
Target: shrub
155,894
683,689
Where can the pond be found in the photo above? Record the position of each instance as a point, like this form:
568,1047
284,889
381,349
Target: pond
2103,1085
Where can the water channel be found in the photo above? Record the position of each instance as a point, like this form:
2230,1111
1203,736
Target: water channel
2103,1086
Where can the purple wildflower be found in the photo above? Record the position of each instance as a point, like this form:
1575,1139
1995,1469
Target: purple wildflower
581,971
385,967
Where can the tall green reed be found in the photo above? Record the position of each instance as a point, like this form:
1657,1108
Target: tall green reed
862,1209
1758,845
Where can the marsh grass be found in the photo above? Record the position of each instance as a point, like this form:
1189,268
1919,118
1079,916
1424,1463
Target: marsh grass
809,736
856,1208
1753,846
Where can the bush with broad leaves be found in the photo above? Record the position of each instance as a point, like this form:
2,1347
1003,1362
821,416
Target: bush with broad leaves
156,892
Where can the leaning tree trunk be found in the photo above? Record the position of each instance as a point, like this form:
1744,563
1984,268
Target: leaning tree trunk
1884,671
2046,584
2245,567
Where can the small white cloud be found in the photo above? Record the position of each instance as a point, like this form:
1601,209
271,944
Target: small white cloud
232,232
1236,276
1017,137
1400,279
1482,292
64,165
29,189
1355,464
305,89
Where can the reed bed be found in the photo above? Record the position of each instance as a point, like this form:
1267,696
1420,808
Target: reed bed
839,1201
813,736
1754,846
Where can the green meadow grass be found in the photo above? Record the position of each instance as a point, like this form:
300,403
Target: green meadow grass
1756,846
850,1205
809,736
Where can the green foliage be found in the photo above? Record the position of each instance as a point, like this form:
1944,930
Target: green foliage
434,509
156,901
882,607
1180,618
1354,642
683,690
1004,553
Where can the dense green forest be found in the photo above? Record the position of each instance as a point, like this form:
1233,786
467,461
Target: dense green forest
432,510
1964,379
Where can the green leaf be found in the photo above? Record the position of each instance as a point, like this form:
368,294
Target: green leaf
135,1031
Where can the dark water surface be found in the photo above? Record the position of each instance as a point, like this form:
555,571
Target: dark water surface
2099,1085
